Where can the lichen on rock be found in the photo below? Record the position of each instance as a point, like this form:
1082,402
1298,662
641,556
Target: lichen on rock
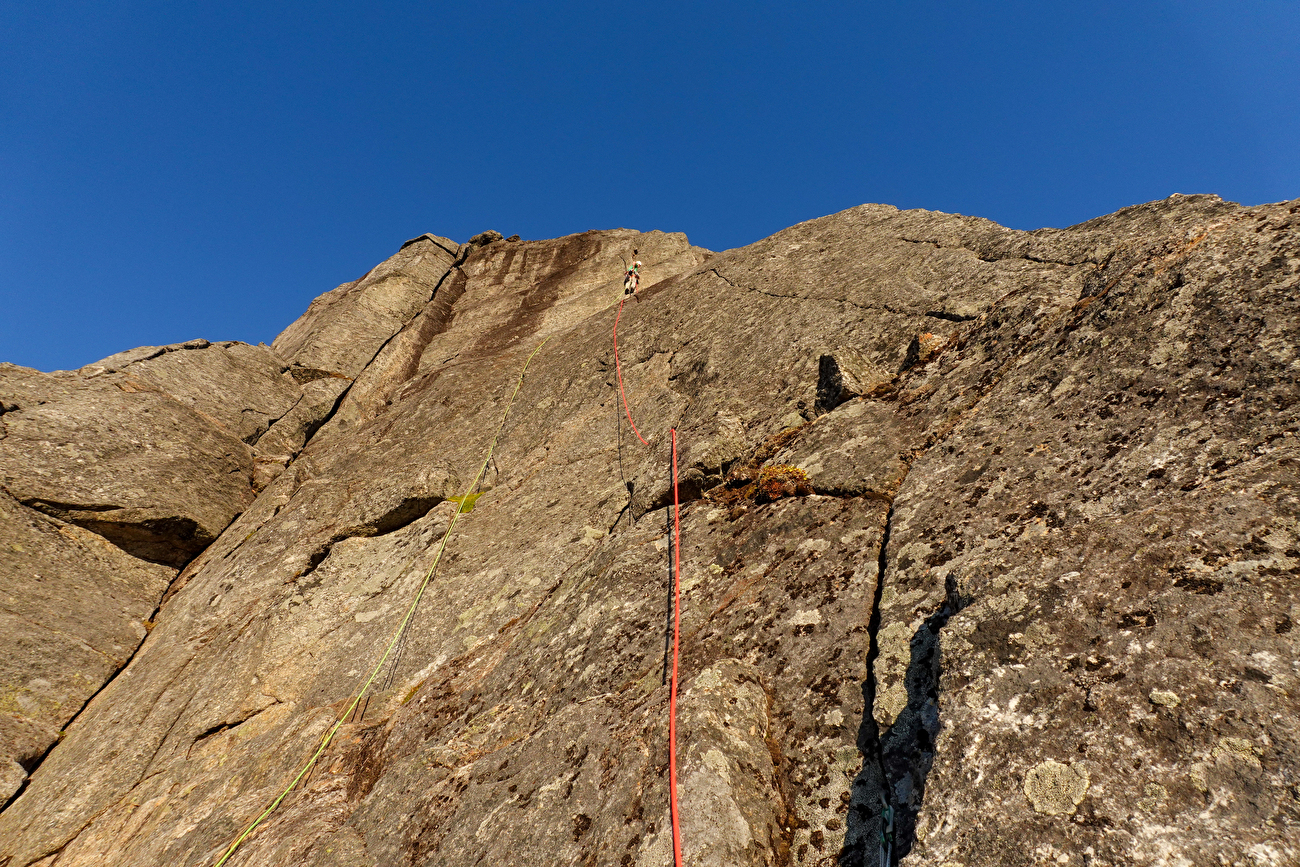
1056,789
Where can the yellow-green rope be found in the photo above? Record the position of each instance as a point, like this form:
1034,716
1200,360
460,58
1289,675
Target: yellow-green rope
410,612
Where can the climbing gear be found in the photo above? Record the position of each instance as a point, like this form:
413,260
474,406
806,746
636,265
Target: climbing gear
631,275
672,586
886,833
401,629
618,368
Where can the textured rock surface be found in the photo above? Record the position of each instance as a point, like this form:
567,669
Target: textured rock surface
123,459
72,612
243,388
1040,596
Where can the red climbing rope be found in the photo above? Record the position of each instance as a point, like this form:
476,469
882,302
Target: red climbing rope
677,628
677,605
618,368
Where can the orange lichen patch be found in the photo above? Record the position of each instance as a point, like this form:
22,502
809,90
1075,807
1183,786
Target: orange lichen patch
775,443
783,480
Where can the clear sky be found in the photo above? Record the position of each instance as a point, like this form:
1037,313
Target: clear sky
171,170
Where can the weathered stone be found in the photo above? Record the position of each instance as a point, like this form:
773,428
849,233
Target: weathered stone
501,295
1076,497
72,612
123,460
239,386
343,329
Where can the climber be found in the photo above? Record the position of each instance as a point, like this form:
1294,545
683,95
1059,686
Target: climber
632,277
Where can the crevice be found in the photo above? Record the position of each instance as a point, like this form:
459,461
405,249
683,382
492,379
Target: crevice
59,510
314,428
951,317
909,745
871,308
160,351
272,422
864,817
171,541
219,728
897,763
875,308
431,239
995,257
718,274
33,764
406,513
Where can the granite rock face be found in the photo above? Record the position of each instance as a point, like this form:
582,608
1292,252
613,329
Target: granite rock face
1031,580
123,459
73,610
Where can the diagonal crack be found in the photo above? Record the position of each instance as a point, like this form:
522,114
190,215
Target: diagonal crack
993,257
876,308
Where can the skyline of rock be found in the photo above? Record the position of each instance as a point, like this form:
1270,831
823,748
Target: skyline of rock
1041,594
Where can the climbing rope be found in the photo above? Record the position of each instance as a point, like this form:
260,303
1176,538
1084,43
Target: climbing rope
675,601
618,368
401,629
677,632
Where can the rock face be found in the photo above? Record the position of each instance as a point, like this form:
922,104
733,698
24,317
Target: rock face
997,528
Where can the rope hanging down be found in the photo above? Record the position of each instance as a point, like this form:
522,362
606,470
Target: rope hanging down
401,629
675,601
677,631
618,368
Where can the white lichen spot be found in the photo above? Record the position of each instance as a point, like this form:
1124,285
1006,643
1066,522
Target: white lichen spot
709,679
715,761
1055,789
806,618
1266,855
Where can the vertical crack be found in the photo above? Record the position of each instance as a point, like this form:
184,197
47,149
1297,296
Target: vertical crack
897,761
863,833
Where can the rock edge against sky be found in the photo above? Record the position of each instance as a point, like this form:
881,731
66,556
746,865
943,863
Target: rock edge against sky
1037,589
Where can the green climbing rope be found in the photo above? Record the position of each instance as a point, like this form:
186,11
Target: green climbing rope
466,503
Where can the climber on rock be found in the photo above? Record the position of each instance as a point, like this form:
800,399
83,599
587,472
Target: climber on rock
632,277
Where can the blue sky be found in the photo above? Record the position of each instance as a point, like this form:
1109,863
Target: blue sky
180,170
